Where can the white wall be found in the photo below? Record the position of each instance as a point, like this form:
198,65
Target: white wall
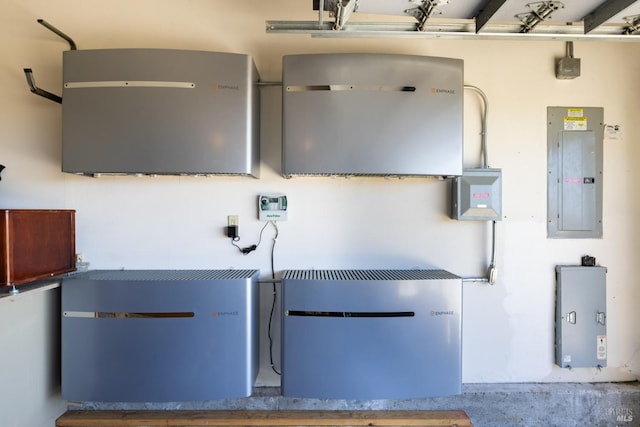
177,222
30,348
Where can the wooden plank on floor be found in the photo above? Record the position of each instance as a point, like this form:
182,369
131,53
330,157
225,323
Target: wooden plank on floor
262,418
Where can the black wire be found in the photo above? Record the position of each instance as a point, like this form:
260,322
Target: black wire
249,249
273,302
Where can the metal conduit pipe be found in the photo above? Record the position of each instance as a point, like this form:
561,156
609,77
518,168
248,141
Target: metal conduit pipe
491,270
483,130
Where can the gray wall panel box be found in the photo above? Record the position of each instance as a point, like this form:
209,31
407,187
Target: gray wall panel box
159,335
581,331
477,195
567,68
371,334
156,111
575,172
372,114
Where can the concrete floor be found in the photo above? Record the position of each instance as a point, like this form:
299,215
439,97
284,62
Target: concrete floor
488,405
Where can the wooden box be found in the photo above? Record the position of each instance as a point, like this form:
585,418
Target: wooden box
36,244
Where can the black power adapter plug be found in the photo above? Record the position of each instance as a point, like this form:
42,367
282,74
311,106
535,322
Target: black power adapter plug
232,231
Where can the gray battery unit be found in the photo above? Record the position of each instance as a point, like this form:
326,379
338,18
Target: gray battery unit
581,328
371,334
159,335
160,111
372,114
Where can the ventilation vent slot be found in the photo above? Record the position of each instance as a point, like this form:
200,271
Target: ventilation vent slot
168,275
335,275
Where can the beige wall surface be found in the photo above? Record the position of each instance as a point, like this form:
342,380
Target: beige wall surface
177,222
30,348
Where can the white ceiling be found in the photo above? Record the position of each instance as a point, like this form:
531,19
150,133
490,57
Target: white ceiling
480,18
573,10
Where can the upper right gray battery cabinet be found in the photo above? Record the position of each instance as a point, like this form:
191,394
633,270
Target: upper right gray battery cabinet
574,176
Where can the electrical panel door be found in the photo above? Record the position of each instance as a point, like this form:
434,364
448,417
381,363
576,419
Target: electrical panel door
574,172
581,330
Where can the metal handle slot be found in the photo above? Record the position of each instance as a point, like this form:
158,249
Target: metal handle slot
368,314
601,318
571,317
128,315
129,83
347,88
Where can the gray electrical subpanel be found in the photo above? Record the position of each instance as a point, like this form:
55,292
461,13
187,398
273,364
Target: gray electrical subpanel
574,162
477,195
581,330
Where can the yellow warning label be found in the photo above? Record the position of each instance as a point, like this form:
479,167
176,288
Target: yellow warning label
575,123
575,112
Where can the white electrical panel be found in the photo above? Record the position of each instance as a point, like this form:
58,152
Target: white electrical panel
272,207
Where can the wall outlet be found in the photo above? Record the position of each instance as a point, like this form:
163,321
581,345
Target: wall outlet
233,220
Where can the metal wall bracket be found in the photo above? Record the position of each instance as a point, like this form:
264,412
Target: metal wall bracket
28,72
72,44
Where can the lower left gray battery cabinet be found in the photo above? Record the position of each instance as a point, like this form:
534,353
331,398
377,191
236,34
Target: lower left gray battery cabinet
159,335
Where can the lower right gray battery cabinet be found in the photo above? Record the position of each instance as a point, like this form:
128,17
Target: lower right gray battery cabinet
581,328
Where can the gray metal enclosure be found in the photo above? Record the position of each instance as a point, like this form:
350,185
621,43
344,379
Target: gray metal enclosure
581,314
160,111
371,334
372,114
159,335
575,172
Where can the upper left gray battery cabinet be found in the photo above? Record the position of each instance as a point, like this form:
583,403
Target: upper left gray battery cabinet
159,111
